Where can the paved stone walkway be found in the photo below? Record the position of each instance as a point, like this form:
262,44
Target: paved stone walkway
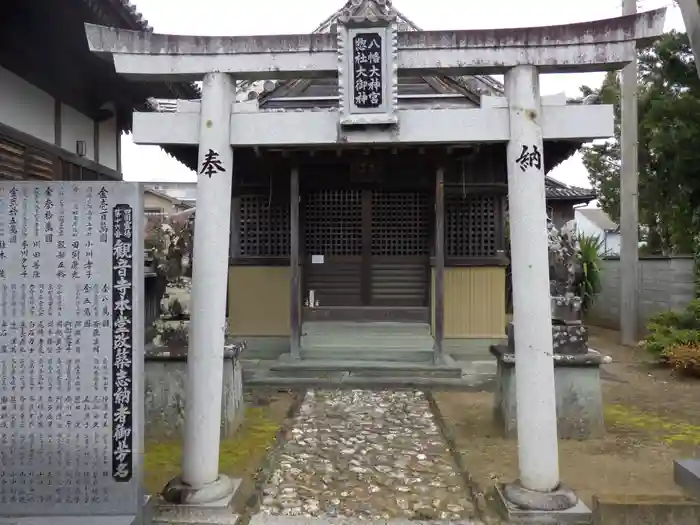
368,455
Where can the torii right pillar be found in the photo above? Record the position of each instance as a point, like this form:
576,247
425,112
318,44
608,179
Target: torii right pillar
538,488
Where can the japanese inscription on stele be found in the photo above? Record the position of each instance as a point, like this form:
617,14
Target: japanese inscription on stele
71,349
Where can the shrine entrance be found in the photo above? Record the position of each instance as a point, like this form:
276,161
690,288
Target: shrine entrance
367,247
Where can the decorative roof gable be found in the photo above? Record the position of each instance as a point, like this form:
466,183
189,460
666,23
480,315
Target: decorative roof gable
472,87
358,11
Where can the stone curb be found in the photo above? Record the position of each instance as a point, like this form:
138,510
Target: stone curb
475,491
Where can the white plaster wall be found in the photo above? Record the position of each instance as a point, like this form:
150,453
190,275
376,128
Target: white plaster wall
25,107
75,127
28,109
108,143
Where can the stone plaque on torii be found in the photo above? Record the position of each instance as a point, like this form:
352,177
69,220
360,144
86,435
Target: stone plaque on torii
367,54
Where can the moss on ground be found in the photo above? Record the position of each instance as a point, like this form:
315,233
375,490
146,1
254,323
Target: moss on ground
239,455
668,431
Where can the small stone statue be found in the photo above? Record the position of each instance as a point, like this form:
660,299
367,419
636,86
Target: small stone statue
564,258
569,335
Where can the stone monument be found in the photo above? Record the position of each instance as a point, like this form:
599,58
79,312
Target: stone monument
577,376
569,334
71,359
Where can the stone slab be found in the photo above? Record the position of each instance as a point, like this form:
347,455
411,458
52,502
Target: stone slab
592,358
578,515
71,349
192,515
686,474
364,368
481,383
261,519
640,509
72,520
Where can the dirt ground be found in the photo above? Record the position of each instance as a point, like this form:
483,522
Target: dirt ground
243,456
652,417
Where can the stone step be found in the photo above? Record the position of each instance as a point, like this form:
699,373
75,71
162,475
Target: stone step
387,328
349,353
365,368
367,314
334,380
364,341
260,519
164,514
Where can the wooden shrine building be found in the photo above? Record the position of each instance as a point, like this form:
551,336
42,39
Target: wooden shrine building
368,220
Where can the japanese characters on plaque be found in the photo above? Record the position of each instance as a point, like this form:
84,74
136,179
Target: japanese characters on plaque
122,342
367,70
367,74
71,343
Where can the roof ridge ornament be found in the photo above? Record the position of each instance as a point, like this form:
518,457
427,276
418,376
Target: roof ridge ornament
365,12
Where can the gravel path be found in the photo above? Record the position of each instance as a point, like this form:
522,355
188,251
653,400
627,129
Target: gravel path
369,455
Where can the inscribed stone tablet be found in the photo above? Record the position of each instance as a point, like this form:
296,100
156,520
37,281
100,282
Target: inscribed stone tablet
71,348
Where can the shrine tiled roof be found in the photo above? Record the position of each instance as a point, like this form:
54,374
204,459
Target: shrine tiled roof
555,190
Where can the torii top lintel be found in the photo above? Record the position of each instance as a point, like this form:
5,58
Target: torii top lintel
600,45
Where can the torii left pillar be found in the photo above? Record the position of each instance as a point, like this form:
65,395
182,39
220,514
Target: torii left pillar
200,482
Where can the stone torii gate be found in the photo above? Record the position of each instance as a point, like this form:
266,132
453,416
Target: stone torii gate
369,116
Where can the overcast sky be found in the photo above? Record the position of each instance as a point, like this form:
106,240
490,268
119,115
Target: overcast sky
226,17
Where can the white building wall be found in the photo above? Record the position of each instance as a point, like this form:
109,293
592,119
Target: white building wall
611,245
75,127
25,107
611,241
30,110
108,143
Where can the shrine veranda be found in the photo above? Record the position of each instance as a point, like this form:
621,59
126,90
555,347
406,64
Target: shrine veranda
71,350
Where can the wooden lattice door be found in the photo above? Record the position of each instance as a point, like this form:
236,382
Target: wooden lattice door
400,258
333,244
367,248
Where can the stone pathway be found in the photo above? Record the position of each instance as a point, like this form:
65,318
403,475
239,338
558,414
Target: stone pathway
368,455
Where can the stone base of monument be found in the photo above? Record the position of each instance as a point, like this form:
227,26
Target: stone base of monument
165,377
578,394
686,474
73,520
143,519
180,505
569,339
561,507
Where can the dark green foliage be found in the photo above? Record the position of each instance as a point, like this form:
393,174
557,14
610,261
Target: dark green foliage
669,146
670,329
590,284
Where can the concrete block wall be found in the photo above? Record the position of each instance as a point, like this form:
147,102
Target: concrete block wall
664,283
